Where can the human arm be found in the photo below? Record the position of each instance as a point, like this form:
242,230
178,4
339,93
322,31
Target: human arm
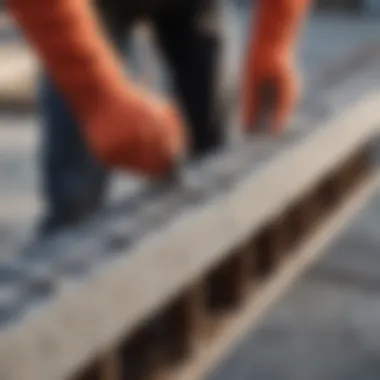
270,74
125,128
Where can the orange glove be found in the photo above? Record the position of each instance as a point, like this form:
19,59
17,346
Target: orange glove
123,126
270,83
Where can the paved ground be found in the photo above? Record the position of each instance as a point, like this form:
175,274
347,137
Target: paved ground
328,326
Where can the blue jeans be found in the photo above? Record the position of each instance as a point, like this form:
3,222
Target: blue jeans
74,183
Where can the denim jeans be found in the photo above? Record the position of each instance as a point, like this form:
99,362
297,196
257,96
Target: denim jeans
74,183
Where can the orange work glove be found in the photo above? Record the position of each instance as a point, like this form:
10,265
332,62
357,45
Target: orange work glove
125,128
270,83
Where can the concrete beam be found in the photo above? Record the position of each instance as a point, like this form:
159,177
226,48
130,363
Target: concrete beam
66,300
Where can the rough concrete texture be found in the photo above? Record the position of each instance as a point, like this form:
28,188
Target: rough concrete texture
328,326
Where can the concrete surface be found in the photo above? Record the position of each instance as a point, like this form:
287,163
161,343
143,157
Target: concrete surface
328,326
192,230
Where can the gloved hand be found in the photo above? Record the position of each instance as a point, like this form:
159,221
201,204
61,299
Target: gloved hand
270,84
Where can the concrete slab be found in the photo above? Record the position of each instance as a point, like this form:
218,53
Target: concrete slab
182,230
328,326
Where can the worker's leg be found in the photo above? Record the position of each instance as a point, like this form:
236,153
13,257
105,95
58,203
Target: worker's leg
74,183
190,40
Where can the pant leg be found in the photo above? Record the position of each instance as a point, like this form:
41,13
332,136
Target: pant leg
74,183
191,42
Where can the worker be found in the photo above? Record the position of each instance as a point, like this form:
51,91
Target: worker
97,119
